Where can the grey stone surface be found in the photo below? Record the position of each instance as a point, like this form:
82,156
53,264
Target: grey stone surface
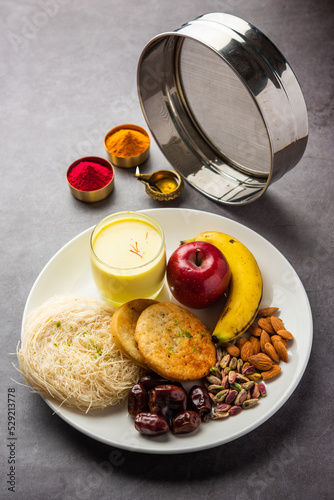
68,74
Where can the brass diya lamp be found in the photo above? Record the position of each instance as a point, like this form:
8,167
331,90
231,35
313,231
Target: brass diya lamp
161,185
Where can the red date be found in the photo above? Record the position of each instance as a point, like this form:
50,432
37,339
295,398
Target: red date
167,400
151,424
187,421
137,400
199,400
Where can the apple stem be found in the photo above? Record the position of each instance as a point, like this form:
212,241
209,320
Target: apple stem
196,258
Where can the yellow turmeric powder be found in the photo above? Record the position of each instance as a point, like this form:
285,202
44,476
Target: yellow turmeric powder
127,142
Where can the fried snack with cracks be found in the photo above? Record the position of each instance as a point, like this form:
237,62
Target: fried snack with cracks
123,326
174,342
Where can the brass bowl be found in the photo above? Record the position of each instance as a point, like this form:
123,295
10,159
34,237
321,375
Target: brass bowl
128,161
98,194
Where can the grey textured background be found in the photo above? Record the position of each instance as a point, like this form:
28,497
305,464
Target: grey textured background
68,74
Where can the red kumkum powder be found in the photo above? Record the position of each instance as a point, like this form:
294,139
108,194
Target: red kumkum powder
89,176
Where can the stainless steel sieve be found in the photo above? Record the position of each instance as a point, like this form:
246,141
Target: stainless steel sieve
224,106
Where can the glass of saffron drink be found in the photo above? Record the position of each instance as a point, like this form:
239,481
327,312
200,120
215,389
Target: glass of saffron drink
91,178
128,257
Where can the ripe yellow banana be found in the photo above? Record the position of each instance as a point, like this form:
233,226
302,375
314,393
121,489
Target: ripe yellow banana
245,289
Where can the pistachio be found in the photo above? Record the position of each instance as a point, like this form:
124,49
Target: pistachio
242,379
219,355
255,392
235,410
231,396
248,370
232,376
225,382
262,389
249,403
225,361
236,386
222,407
226,370
220,396
214,388
217,415
212,379
248,385
241,397
240,364
214,371
233,363
212,396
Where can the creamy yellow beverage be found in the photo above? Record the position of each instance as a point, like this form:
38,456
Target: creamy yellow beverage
128,257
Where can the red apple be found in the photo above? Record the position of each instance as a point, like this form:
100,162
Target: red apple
197,274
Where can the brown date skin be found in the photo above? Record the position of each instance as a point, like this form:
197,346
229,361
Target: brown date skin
167,400
186,421
199,400
151,424
137,400
151,380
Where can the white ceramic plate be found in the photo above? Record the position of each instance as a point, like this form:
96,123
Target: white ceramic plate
69,272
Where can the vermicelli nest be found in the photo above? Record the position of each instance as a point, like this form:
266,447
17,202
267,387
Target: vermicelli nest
67,352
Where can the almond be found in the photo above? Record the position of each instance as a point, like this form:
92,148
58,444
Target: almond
255,330
276,323
278,338
281,350
285,334
275,369
266,325
264,339
271,351
233,350
241,341
266,312
246,351
261,361
255,341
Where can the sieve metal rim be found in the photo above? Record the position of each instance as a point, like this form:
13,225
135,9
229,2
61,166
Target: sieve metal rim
294,135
